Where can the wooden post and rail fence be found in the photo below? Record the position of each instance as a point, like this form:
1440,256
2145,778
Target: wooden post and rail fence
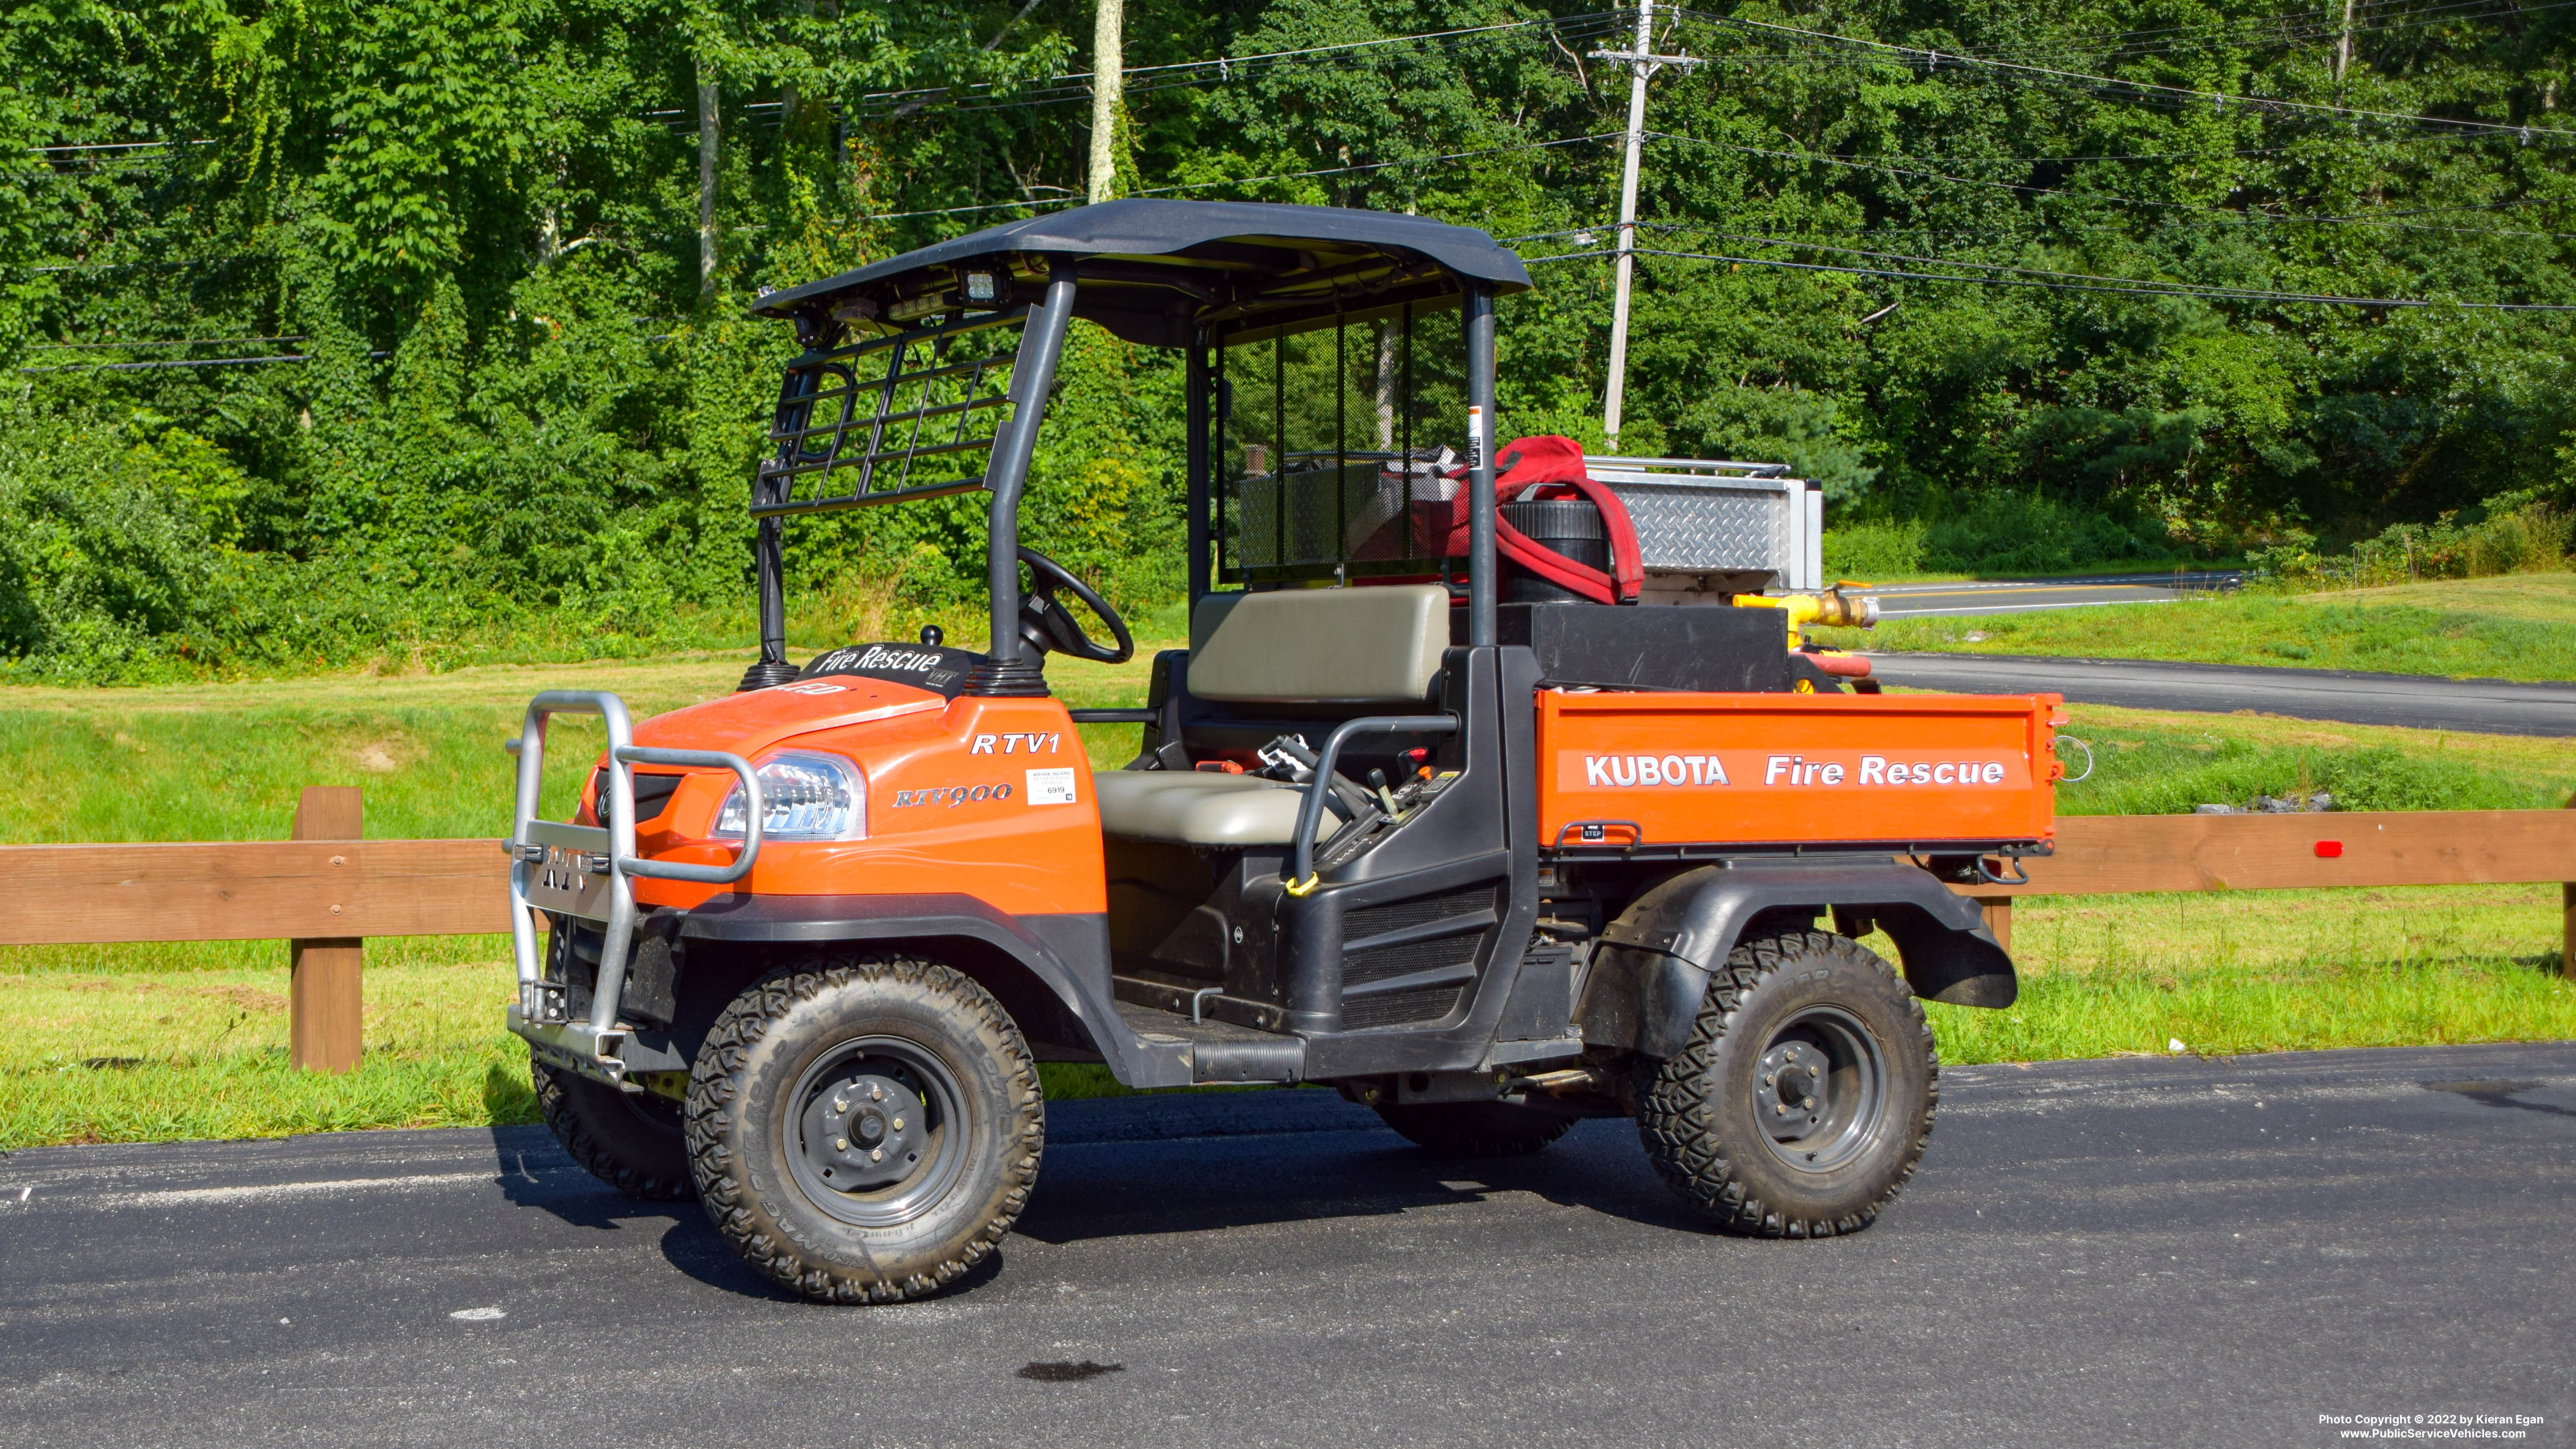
328,889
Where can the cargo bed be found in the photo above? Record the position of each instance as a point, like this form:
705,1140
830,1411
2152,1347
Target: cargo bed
1696,773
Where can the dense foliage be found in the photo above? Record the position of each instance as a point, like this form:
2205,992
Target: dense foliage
521,414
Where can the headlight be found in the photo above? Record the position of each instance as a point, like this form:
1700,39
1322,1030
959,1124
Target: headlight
806,797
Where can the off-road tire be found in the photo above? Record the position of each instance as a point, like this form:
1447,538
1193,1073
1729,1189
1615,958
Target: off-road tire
1475,1129
1701,1122
631,1141
741,1120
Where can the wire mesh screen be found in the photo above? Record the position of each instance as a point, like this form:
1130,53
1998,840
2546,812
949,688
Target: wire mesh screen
906,415
1334,449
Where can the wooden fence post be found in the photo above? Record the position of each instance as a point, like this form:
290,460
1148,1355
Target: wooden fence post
327,1003
1998,911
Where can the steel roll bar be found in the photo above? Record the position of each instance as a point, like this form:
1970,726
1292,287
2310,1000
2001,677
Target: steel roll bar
621,860
1301,873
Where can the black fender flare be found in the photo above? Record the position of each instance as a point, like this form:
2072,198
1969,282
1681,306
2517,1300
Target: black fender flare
1650,967
1065,957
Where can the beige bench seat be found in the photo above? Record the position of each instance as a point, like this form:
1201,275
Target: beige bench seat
1356,647
1193,807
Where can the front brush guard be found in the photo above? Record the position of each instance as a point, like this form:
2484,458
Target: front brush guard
588,871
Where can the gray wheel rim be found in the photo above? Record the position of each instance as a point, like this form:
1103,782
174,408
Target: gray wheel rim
827,1137
1820,1090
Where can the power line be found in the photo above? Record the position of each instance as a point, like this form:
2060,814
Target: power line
1077,83
185,362
2113,47
2176,34
1345,47
2129,285
1381,165
2362,8
145,266
1253,180
2282,29
139,166
1068,95
120,145
2307,27
2218,98
2207,155
1765,240
2285,29
173,342
2242,218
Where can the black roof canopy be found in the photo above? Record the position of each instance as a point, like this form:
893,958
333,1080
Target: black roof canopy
1153,271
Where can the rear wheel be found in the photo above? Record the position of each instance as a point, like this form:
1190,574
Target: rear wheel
864,1129
629,1140
1805,1096
1475,1129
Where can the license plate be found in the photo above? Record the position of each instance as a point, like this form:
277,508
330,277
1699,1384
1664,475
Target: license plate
564,882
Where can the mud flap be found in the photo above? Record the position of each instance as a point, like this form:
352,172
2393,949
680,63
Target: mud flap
1945,963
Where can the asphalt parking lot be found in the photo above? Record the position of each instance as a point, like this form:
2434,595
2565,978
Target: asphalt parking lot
2411,701
2032,596
2099,1253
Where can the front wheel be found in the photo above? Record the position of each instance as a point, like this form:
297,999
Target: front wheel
864,1129
629,1140
1805,1095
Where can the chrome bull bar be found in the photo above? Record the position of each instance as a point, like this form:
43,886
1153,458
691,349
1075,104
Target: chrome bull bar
589,871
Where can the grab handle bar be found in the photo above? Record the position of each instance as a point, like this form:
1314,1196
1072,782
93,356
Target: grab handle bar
1301,874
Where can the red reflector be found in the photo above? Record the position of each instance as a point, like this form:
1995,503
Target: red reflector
2329,850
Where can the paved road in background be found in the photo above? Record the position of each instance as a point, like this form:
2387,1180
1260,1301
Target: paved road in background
2424,702
2103,1253
2028,596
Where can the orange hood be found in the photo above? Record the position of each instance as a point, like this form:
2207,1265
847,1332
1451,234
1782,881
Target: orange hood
746,724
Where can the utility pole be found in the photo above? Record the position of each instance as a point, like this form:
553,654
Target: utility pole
2343,52
1642,64
1108,72
709,118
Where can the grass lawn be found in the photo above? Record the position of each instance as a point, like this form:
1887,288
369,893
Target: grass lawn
152,1042
226,761
2518,626
2163,762
2264,971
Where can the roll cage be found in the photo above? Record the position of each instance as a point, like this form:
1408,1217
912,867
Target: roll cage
905,380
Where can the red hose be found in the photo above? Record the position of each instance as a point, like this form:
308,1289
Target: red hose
1533,465
1844,666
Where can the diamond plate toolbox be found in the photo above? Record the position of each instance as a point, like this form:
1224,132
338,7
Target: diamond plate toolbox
1707,524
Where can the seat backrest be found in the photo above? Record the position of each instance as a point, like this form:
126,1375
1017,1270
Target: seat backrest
1319,646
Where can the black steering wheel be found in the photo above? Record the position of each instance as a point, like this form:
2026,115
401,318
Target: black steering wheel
1049,625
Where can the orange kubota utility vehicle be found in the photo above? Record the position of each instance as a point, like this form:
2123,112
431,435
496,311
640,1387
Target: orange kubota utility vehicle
1407,820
